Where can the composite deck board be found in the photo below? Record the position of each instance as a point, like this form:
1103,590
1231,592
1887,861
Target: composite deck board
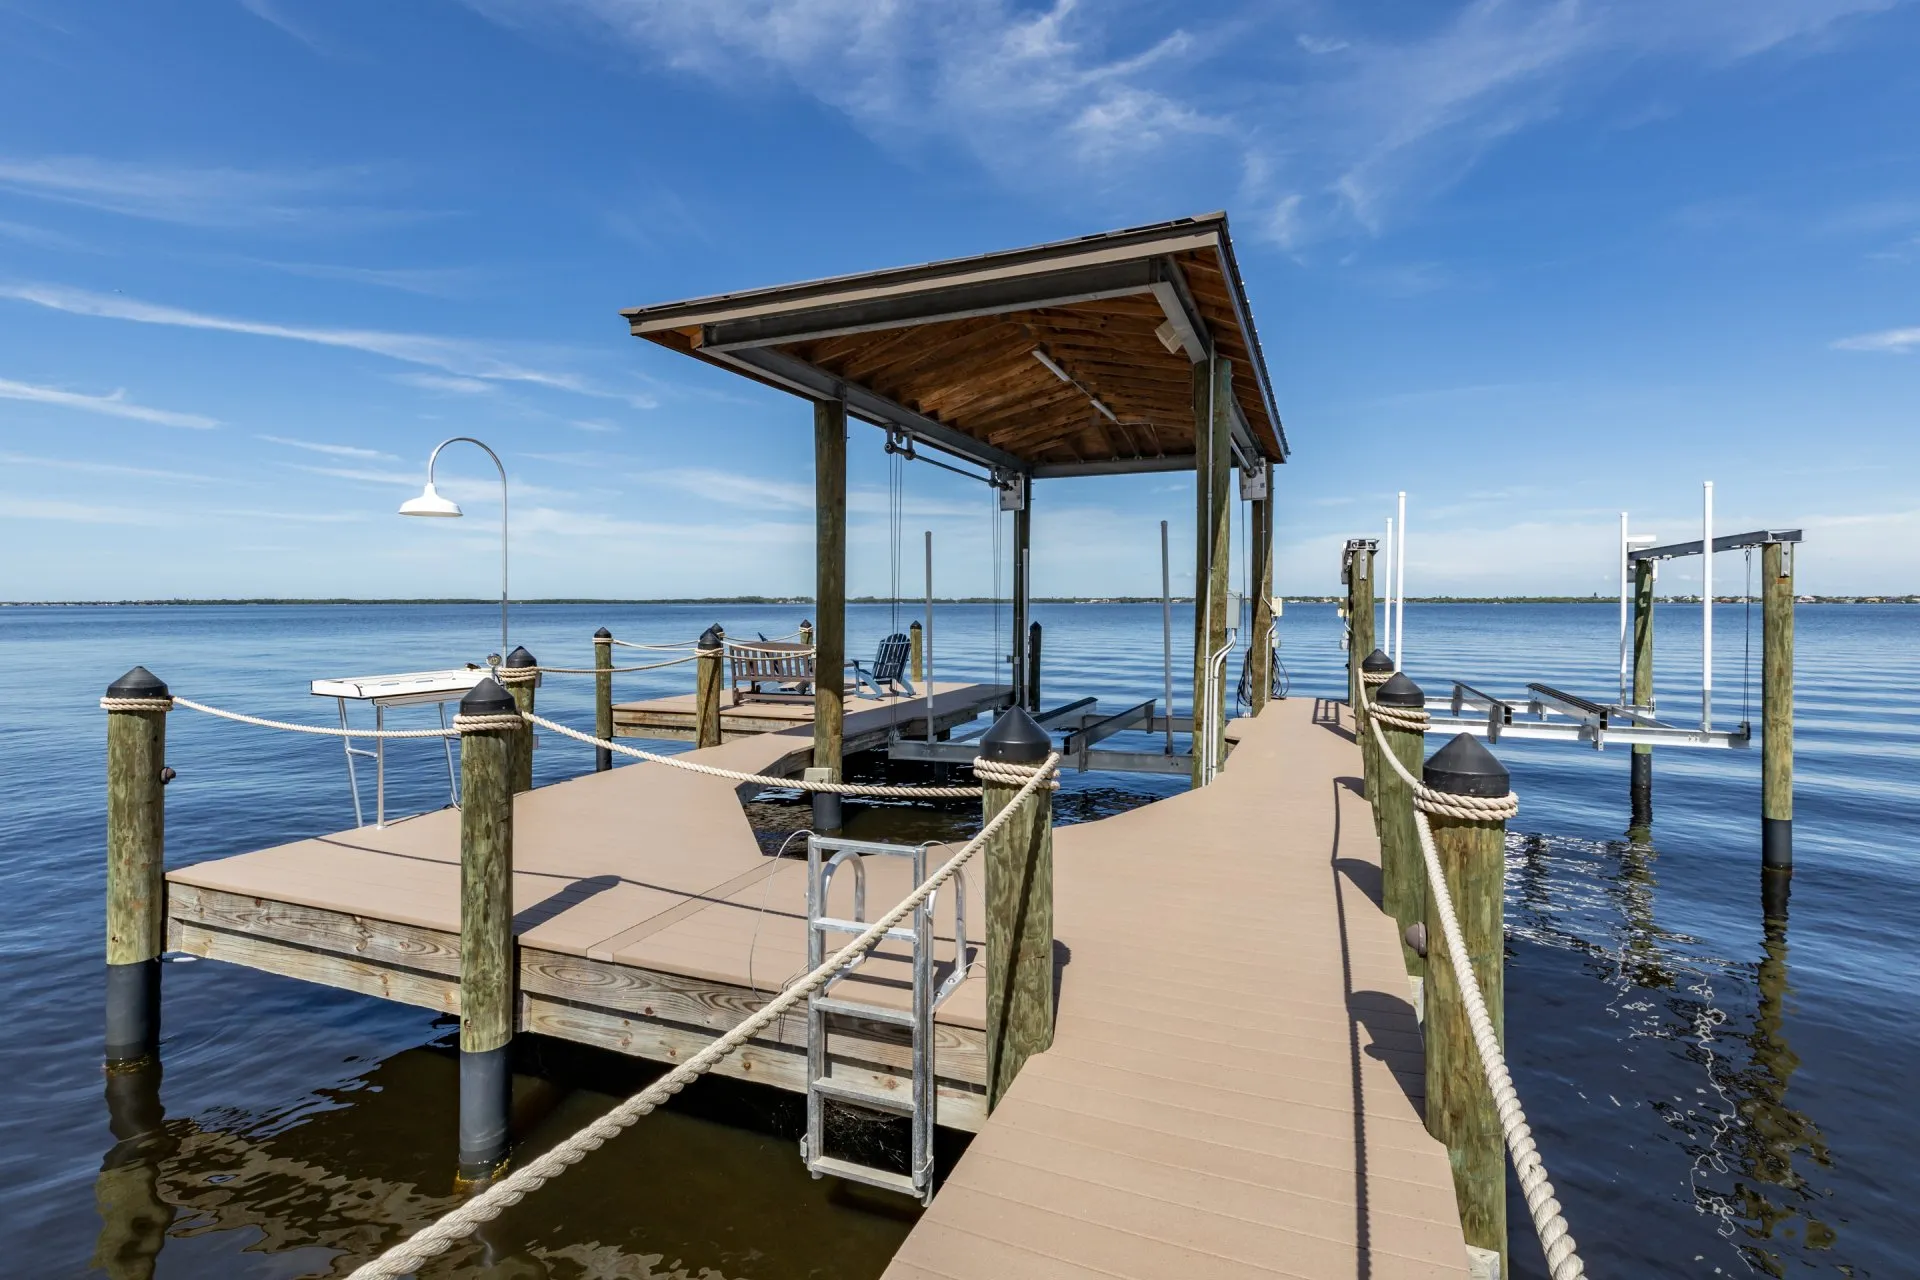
1234,1083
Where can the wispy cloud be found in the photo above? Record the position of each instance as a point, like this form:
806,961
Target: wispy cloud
333,450
1894,341
220,198
114,404
17,507
735,489
458,356
103,468
1327,133
434,282
446,383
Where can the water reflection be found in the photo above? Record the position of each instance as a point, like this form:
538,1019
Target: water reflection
1701,1042
134,1217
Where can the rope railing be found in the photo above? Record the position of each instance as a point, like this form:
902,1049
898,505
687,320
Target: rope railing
1563,1262
509,721
436,1238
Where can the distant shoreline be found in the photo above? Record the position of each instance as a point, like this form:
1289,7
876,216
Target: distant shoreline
801,601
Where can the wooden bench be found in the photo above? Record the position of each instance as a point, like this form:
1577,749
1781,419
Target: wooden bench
787,668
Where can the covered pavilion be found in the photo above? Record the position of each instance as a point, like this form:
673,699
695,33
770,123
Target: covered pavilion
1127,351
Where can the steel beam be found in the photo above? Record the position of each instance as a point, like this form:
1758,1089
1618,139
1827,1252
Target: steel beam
1176,301
1731,542
815,383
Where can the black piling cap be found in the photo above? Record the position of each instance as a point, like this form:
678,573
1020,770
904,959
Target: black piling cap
488,698
1400,692
1016,738
1376,661
603,634
1465,768
521,658
714,637
138,683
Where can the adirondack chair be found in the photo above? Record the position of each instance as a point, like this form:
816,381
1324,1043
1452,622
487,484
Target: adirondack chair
888,674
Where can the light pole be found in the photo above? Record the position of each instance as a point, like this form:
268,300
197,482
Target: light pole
430,503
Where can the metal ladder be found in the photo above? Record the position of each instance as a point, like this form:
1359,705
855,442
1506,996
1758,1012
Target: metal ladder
825,856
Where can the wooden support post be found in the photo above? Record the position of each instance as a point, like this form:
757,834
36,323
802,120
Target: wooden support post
1260,653
136,864
520,674
806,633
1359,618
711,648
1460,1111
1375,670
1033,666
1403,873
914,643
1640,827
830,599
1776,707
1022,588
1019,893
488,752
1213,541
603,698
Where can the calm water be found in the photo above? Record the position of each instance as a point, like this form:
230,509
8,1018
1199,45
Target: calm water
1714,1094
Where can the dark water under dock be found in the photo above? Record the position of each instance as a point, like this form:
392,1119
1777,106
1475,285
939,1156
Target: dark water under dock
1714,1094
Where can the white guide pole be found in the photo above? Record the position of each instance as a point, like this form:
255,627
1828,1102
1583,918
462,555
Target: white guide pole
1166,629
927,642
1706,607
1400,586
1385,636
1623,609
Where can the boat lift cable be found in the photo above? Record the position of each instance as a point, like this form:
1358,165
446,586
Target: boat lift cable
1563,1261
1746,661
437,1237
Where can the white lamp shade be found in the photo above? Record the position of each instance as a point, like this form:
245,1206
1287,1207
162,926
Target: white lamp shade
429,503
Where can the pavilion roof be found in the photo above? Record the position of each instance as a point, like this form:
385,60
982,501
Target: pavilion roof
1068,358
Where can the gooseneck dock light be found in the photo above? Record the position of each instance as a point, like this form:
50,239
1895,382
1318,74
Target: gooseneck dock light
431,503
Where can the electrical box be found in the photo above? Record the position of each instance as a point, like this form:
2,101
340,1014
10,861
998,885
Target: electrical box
1253,483
1013,492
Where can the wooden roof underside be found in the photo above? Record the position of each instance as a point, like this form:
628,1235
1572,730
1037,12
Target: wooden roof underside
946,352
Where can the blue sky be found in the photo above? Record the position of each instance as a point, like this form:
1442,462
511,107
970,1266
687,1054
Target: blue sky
1531,262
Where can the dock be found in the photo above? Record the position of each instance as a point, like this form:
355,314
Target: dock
646,916
674,718
1235,1082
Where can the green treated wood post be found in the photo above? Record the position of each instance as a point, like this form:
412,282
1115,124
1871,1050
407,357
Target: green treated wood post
1359,616
1260,654
914,643
830,600
488,752
520,674
1213,541
1375,670
1460,1111
1019,862
603,698
712,648
1776,707
1640,828
806,633
136,863
1033,666
1403,873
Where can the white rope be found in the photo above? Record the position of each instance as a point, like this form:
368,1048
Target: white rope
629,644
761,779
435,1239
594,671
1563,1263
163,704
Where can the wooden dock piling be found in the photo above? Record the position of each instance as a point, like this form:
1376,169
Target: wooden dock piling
1375,670
488,754
1403,875
916,671
1260,650
136,863
1033,667
1640,826
1019,895
1776,707
1360,621
520,674
603,698
711,648
1460,1110
830,599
